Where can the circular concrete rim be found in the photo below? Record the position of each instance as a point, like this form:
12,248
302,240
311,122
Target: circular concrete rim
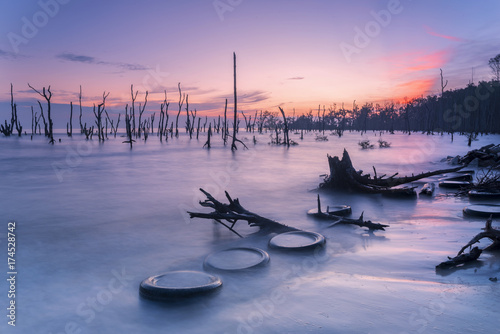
483,194
336,210
316,240
150,288
453,184
263,261
481,210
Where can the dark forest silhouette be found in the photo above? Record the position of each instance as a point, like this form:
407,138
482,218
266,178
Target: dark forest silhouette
475,108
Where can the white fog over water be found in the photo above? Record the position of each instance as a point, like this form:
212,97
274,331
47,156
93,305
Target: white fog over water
94,220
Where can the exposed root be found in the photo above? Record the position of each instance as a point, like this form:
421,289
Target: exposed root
461,258
489,232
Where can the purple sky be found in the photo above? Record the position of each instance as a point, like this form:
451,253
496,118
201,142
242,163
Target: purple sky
297,54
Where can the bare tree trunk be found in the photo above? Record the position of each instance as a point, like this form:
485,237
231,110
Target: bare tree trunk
224,132
80,102
98,116
235,122
15,119
132,111
285,131
128,127
233,144
207,144
70,132
198,128
33,126
141,111
47,95
181,102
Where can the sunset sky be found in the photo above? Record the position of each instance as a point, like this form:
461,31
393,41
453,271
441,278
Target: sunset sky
297,54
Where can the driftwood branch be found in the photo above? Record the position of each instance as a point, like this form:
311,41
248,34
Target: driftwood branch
359,222
460,259
339,220
233,212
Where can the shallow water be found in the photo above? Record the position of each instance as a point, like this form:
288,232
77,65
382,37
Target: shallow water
94,220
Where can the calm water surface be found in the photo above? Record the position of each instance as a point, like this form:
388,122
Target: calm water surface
94,220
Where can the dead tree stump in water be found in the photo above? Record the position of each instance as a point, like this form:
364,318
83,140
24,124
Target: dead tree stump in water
343,176
207,144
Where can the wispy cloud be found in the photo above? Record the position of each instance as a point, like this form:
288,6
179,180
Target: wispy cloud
92,60
406,90
253,96
78,58
415,87
451,38
296,78
422,62
409,62
245,97
131,67
7,55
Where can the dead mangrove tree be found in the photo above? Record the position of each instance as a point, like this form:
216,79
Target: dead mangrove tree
47,95
343,176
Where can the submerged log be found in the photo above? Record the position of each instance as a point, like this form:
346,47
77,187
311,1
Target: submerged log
228,214
460,259
344,176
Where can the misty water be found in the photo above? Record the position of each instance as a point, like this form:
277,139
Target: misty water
94,220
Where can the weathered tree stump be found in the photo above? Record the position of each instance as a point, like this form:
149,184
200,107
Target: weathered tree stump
343,176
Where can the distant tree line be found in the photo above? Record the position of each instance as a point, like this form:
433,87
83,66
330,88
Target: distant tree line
472,109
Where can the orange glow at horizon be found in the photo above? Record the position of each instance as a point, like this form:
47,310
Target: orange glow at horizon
413,89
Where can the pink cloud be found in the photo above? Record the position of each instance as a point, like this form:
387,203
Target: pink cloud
405,63
421,62
451,38
413,89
